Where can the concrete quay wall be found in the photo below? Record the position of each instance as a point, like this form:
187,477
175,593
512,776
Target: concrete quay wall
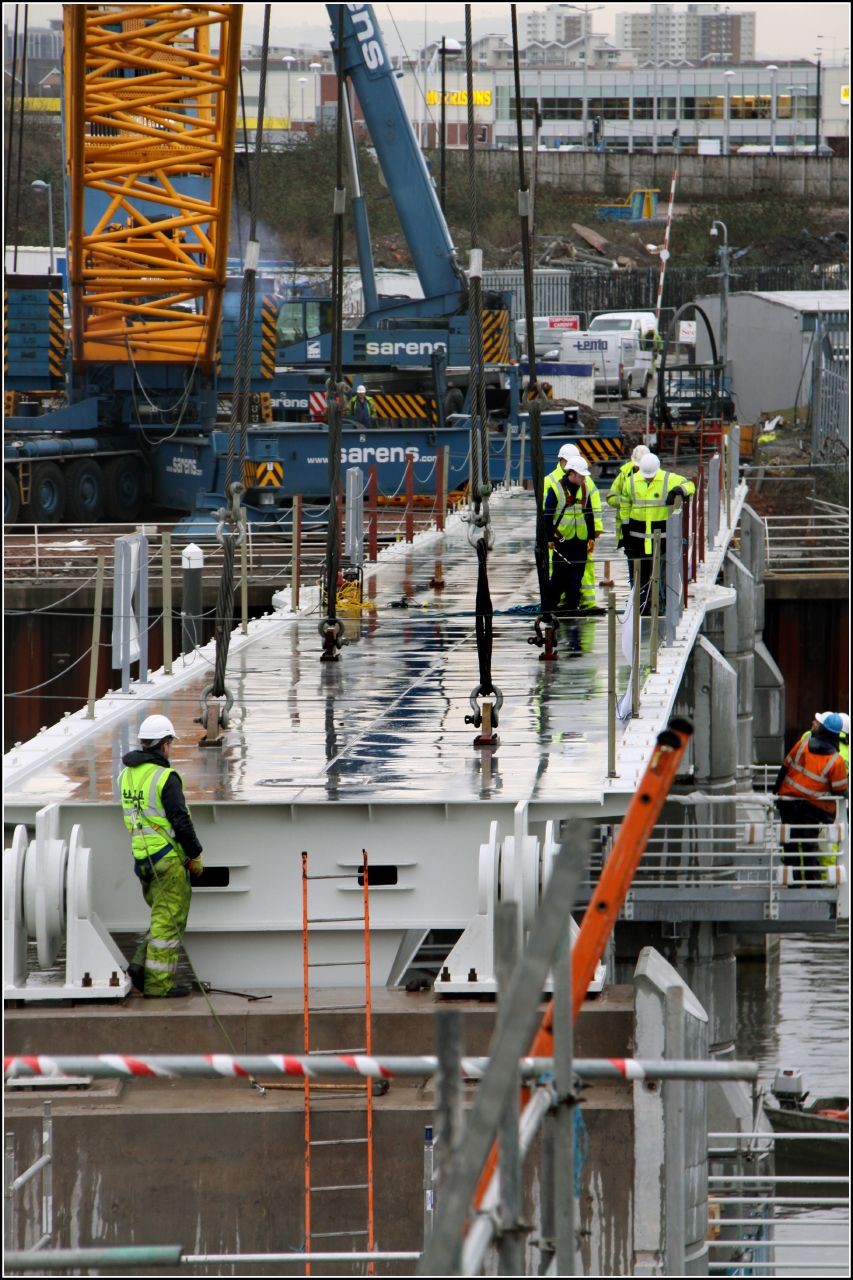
699,177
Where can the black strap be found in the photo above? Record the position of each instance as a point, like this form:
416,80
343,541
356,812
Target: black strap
485,614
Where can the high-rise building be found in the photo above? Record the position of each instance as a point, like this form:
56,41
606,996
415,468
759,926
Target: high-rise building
708,32
560,22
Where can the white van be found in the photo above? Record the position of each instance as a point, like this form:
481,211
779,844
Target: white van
637,323
613,357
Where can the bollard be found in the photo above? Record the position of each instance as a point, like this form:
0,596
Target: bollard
606,581
166,569
96,637
296,551
192,565
410,496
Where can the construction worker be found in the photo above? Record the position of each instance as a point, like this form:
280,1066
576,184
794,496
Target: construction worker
646,499
588,605
810,780
614,497
844,740
362,407
570,524
167,854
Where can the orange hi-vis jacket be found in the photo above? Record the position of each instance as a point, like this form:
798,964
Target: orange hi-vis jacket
814,777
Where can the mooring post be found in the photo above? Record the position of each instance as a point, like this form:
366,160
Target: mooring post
192,565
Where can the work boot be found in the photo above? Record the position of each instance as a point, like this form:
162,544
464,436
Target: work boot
136,973
179,989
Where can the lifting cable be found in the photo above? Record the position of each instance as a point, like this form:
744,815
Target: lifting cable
330,627
231,529
22,81
537,457
479,522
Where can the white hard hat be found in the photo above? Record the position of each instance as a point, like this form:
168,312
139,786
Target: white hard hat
361,389
649,466
156,728
569,451
639,453
579,465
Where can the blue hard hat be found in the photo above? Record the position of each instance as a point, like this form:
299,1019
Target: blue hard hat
830,720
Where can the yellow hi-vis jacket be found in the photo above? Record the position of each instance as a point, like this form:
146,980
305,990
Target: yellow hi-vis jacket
141,791
614,497
568,518
644,502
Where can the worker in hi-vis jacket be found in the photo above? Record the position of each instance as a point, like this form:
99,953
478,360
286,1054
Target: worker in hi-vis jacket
811,778
647,498
571,530
167,855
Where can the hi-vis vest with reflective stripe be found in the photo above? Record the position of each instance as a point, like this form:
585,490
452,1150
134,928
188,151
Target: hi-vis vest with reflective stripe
816,778
141,790
645,500
569,518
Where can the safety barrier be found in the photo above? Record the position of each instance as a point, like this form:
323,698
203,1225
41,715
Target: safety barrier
804,545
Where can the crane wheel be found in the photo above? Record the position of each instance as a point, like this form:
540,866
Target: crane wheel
11,497
86,494
48,494
124,482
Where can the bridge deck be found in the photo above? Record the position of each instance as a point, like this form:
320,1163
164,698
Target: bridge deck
386,723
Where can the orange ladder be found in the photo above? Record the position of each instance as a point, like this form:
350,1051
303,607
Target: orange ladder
318,1150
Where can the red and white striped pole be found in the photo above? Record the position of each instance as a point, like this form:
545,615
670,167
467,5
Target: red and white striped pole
664,254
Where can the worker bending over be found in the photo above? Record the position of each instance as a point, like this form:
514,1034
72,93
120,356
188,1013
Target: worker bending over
614,497
810,780
647,498
166,855
571,529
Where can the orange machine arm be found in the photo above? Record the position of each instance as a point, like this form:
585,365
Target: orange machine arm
150,112
610,892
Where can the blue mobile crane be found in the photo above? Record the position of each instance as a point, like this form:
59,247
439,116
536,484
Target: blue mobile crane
134,407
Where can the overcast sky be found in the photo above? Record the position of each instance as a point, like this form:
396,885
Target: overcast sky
783,31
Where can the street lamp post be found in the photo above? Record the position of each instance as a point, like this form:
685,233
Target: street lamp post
288,61
772,68
586,10
38,185
303,80
317,67
724,291
727,111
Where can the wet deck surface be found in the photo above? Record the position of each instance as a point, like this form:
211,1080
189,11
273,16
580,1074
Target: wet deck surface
387,721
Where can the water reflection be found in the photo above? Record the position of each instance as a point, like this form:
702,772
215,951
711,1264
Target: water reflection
793,1011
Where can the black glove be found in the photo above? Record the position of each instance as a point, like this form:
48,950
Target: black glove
677,492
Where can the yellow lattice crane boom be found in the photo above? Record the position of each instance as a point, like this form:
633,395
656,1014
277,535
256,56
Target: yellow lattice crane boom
150,111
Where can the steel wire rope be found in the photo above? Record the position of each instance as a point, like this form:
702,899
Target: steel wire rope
537,459
11,121
480,486
239,416
23,84
49,607
330,628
